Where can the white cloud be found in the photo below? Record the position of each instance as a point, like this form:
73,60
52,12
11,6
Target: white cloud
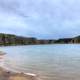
41,18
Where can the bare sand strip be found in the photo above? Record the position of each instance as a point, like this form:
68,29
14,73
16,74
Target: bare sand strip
9,75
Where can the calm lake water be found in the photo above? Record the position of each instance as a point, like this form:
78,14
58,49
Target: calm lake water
50,62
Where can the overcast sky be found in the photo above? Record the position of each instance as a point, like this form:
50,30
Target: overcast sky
40,18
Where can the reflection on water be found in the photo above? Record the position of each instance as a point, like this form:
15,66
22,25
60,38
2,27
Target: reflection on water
51,62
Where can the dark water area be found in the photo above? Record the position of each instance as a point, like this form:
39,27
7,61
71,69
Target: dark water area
50,62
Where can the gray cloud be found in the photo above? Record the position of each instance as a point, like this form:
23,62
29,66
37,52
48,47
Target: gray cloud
41,18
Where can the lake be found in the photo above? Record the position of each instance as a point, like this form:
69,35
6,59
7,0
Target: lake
49,62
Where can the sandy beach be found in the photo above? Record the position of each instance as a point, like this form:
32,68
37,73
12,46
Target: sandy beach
6,74
9,75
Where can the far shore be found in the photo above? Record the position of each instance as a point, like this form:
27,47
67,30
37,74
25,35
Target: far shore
11,39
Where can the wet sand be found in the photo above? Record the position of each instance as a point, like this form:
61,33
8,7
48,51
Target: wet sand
6,74
9,75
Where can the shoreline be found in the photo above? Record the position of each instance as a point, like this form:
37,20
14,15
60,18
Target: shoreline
6,74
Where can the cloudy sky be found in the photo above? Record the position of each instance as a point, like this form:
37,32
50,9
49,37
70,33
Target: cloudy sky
40,18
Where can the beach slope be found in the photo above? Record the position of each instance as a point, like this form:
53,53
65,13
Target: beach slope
8,75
